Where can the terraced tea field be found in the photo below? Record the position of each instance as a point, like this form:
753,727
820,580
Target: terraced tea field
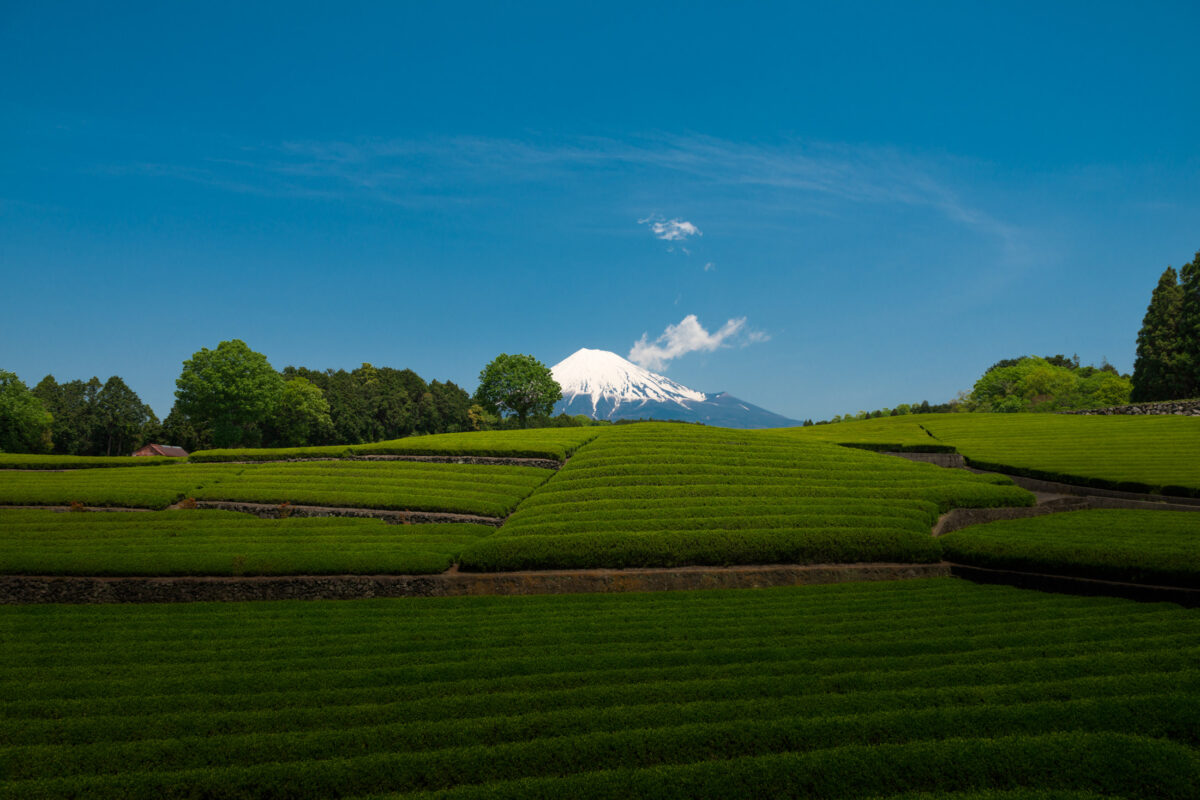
222,543
1157,454
1153,547
855,690
454,488
887,434
669,495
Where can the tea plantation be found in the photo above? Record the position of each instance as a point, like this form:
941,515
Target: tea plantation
1156,454
903,689
853,690
669,495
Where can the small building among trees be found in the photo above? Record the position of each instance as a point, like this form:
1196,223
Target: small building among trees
162,450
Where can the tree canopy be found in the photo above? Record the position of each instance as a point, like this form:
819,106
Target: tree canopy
517,384
24,421
1040,384
232,389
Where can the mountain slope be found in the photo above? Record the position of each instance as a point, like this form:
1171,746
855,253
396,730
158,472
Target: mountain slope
602,385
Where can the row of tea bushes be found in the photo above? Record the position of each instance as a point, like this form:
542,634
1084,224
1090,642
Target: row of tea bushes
172,543
35,461
1152,547
399,485
545,443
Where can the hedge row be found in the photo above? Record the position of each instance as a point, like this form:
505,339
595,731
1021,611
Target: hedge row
1154,547
837,691
617,550
548,443
34,461
222,543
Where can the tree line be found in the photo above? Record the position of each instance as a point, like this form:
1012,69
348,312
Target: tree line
231,396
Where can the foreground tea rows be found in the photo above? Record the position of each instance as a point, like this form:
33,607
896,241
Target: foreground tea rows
841,691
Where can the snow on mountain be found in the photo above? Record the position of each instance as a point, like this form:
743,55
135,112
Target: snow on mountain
602,375
603,385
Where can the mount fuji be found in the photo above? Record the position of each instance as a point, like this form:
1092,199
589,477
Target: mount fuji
602,385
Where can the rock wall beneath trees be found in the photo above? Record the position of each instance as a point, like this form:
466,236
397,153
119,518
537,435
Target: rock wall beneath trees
1188,408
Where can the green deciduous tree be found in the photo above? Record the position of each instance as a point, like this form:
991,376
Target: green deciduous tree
518,384
1039,384
1159,371
231,391
301,417
25,424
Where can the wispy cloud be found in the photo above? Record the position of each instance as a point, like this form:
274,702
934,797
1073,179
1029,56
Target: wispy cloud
689,336
670,230
461,170
709,266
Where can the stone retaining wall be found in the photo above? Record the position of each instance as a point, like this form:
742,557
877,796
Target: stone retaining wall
24,589
1187,408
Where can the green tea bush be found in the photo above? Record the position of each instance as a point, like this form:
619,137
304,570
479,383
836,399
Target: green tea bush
221,543
1155,547
32,461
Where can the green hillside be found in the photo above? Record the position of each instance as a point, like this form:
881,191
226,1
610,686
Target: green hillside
668,495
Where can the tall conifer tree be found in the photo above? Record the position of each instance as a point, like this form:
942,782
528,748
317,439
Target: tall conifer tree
1189,328
1157,373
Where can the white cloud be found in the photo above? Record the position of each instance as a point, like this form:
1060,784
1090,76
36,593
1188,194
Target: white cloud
709,266
689,336
670,230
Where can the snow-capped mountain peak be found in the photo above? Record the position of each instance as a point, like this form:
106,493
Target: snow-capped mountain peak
604,376
602,385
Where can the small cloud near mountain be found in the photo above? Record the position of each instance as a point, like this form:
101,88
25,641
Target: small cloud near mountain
689,336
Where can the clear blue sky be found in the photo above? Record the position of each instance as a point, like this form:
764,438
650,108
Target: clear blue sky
883,198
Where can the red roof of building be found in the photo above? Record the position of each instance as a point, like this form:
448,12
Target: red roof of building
162,450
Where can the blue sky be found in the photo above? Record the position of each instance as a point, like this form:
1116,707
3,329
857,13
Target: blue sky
819,209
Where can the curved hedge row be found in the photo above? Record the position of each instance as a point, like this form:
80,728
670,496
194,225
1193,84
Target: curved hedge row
1153,547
